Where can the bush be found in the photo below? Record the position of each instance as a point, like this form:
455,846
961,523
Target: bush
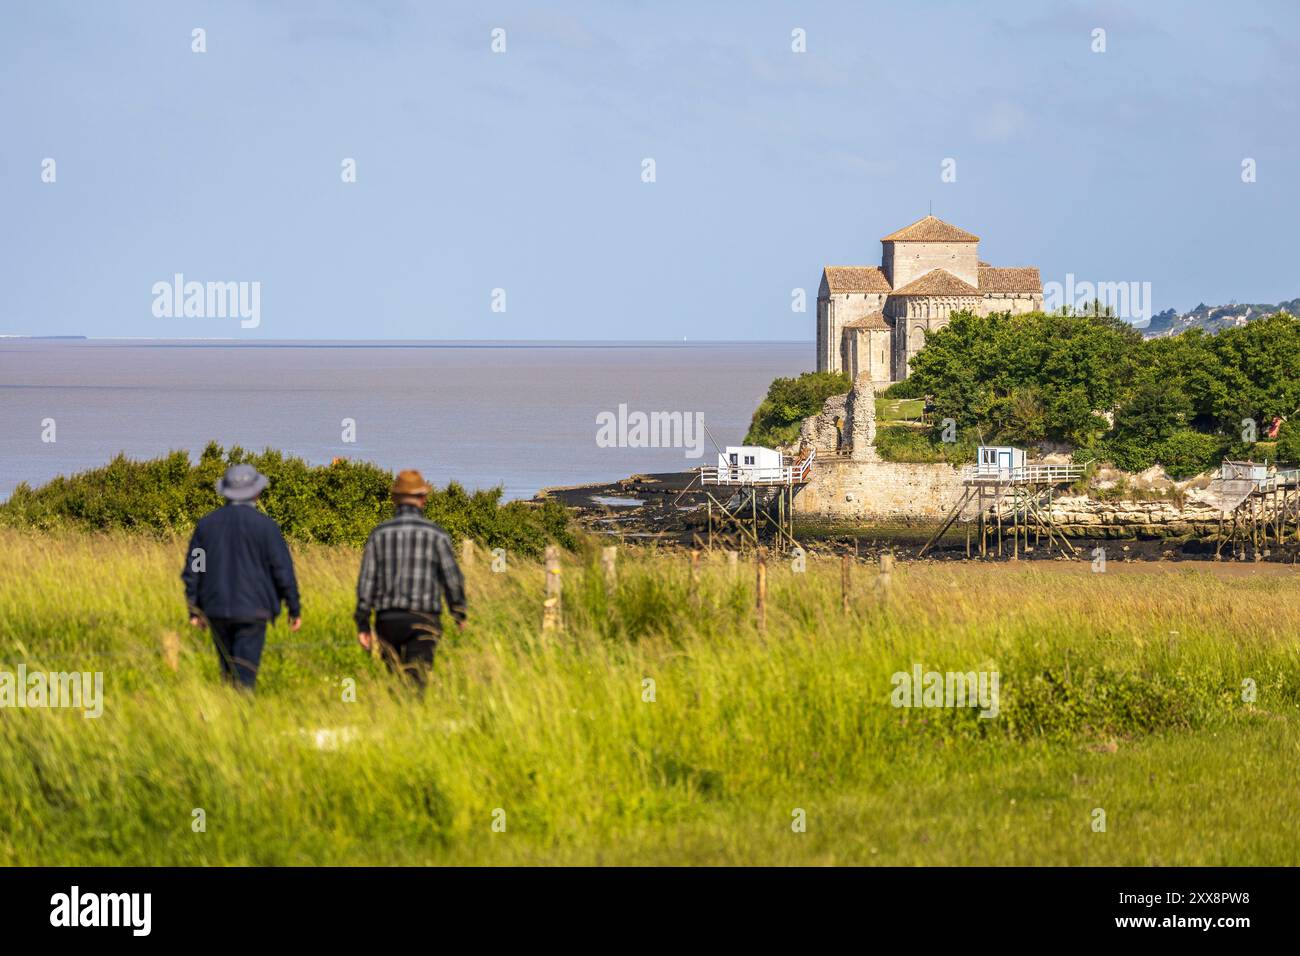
788,402
1288,442
907,388
1186,453
1127,454
901,444
333,504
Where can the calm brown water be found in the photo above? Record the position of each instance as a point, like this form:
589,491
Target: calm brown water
518,415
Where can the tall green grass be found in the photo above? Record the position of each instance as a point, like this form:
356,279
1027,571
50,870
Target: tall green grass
1120,691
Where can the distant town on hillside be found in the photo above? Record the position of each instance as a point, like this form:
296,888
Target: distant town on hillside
1213,318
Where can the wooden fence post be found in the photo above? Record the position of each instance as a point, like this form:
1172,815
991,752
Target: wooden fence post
466,552
695,576
609,566
760,604
846,572
171,644
733,564
886,574
552,609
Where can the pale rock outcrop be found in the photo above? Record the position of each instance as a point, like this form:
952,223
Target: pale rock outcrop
1090,517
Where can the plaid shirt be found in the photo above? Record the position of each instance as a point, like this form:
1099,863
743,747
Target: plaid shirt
407,566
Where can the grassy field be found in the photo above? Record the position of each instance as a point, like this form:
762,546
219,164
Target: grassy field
899,409
1119,691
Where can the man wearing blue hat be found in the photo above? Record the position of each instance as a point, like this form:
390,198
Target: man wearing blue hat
237,573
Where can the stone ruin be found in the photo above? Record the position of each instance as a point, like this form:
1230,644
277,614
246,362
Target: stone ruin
855,438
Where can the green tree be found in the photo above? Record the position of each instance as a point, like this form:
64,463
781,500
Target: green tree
1154,409
1262,364
1288,442
788,402
980,369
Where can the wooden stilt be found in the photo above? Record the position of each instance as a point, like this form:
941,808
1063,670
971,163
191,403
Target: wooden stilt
710,508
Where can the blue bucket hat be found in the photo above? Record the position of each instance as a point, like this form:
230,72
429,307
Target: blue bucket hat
241,483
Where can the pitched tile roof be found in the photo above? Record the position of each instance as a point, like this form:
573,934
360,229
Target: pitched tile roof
1009,280
856,279
874,321
937,282
930,229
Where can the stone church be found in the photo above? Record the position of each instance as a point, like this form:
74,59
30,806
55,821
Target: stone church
873,319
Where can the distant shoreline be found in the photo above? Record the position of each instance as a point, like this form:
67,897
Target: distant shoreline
407,343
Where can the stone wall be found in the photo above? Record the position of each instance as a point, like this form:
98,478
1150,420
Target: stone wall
860,420
851,490
851,482
844,488
871,351
905,261
819,431
1017,303
834,311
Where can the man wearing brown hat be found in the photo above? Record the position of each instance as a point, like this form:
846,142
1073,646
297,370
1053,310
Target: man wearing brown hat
407,569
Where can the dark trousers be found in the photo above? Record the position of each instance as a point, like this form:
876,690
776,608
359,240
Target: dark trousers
407,639
239,649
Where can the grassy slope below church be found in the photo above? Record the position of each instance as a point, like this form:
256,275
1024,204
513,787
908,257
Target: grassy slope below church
1120,691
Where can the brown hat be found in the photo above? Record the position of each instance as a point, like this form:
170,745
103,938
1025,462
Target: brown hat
410,482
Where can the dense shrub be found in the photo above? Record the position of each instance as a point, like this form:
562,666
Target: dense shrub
1183,454
332,504
788,402
901,444
1186,453
1288,442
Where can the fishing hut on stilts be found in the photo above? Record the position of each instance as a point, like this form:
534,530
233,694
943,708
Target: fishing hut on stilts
749,495
1257,508
1006,499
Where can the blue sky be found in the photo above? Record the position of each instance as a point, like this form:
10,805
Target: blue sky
522,171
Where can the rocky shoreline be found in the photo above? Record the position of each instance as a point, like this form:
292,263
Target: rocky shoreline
662,509
1084,516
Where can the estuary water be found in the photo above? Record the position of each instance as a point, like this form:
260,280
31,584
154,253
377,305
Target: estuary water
523,415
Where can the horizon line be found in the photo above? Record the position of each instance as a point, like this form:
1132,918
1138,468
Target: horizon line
231,340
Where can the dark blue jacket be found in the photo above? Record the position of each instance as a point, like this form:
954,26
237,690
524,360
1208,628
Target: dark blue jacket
238,566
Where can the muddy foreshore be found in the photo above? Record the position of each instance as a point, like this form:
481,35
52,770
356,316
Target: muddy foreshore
666,510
